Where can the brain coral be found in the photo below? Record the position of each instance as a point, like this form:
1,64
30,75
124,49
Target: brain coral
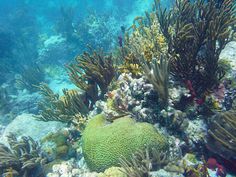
103,144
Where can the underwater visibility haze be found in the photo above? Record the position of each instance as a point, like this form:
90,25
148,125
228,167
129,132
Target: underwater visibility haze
118,88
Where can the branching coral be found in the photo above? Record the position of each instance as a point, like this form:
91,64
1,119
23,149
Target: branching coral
30,77
196,33
23,158
68,108
146,38
158,76
142,162
92,72
222,134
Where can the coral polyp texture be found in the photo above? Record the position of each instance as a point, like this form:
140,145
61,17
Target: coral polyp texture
103,144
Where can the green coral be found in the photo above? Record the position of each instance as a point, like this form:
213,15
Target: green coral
104,144
56,146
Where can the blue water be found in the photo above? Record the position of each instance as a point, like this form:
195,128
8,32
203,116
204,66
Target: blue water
39,39
25,25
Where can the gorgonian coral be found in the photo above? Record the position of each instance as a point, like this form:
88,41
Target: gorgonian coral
92,72
196,33
69,108
222,134
23,158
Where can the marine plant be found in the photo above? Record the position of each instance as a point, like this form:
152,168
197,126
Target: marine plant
22,158
103,143
68,108
92,72
196,32
222,134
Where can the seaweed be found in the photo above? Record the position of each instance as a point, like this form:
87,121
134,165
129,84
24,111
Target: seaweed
22,158
196,33
92,72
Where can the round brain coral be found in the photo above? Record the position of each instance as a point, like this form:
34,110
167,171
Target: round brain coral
103,144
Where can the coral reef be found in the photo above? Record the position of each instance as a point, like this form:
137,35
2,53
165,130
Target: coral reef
68,108
158,75
22,126
92,72
221,132
30,77
98,30
132,96
57,145
113,172
120,138
143,162
56,50
146,38
196,33
65,24
4,98
23,158
67,168
160,104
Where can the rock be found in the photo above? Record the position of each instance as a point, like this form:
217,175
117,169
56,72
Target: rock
27,125
163,173
56,145
229,53
196,132
113,172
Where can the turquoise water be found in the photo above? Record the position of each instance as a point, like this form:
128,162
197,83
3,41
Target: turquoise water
118,88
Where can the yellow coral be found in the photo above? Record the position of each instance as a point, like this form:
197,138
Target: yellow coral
113,172
146,39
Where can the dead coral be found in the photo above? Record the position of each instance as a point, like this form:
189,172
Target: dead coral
68,108
222,134
92,72
23,158
196,33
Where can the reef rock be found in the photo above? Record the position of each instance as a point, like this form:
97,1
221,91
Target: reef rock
229,53
27,125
